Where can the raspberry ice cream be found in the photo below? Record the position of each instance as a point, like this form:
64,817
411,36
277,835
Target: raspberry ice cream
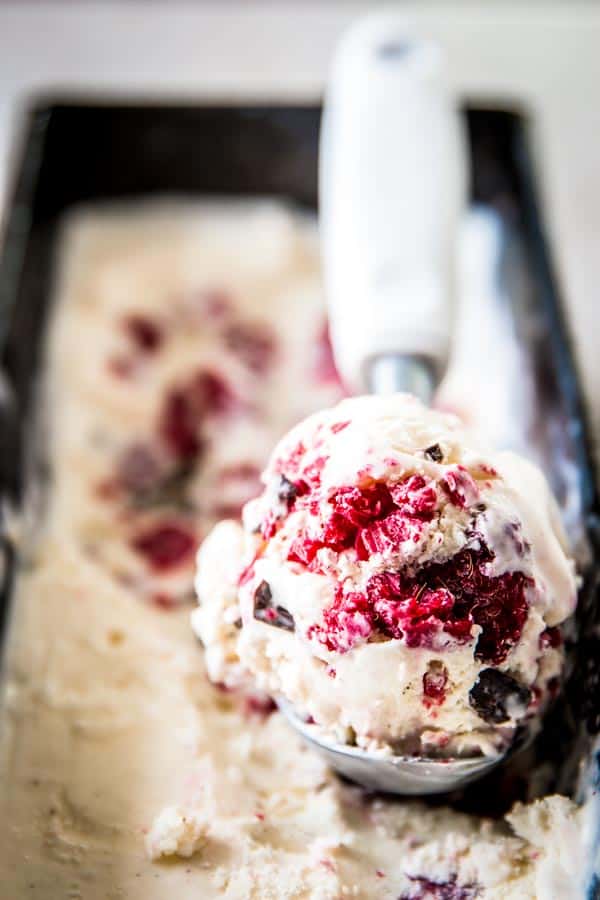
401,586
197,334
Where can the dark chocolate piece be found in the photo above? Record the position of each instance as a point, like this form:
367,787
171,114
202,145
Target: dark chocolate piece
264,611
288,491
434,453
492,694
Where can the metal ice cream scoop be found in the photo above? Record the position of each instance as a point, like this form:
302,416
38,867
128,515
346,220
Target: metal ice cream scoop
392,185
393,774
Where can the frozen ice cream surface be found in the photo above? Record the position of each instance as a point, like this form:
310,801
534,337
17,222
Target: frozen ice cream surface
197,335
403,587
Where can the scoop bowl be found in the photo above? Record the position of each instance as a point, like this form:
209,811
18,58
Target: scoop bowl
408,775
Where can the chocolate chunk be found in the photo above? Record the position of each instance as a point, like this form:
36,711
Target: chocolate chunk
434,453
278,616
494,693
262,596
284,619
288,491
264,611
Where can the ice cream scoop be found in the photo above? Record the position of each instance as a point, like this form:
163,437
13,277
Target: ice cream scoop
392,183
399,586
391,195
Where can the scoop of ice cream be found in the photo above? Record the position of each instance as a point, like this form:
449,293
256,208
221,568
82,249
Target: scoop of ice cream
402,586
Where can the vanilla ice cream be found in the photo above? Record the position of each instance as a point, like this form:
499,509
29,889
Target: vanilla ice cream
197,334
401,586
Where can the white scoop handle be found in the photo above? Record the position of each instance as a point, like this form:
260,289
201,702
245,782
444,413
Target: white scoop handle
391,192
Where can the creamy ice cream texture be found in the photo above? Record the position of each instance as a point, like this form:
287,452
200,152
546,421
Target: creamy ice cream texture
124,772
402,586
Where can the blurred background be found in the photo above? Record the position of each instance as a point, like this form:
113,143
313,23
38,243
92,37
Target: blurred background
539,56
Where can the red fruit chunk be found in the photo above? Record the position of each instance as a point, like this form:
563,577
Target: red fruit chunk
211,394
418,617
269,526
367,519
459,628
404,609
551,637
178,425
460,487
415,495
442,599
185,408
291,464
386,535
253,344
311,475
339,426
498,604
338,534
501,609
165,546
361,505
303,550
145,334
434,684
349,620
259,705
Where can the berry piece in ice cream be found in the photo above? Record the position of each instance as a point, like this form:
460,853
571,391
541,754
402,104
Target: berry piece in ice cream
179,425
165,546
434,683
144,332
186,408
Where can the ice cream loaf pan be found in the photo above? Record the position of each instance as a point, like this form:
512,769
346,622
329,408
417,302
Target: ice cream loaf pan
75,152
